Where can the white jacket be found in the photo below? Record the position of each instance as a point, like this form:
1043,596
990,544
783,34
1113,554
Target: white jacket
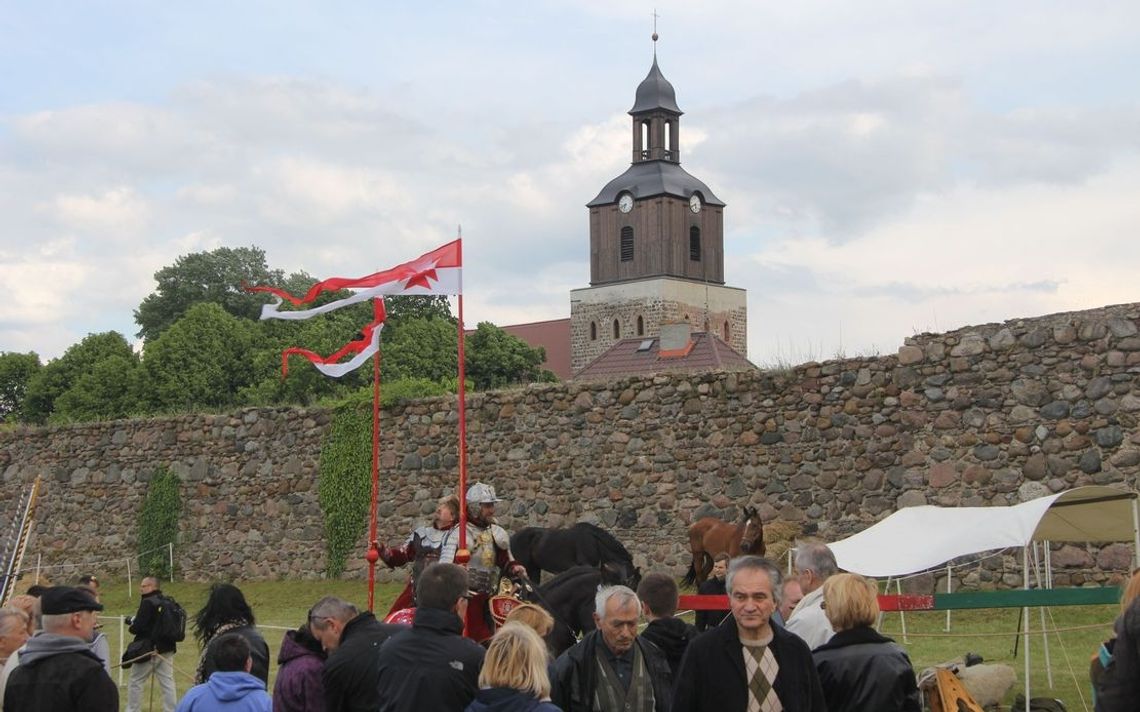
809,621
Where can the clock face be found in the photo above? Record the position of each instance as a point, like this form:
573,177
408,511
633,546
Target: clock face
695,203
625,203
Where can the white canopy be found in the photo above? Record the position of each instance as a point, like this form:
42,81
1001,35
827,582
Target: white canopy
920,538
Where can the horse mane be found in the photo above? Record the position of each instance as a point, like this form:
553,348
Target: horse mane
608,542
568,576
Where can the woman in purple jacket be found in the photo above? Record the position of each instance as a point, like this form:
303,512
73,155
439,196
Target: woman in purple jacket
299,664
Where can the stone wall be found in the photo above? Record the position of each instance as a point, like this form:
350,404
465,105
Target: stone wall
986,415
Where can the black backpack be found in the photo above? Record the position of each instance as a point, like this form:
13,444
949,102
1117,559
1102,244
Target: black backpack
170,623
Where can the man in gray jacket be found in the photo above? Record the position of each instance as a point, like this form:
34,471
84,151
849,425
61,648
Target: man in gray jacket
57,670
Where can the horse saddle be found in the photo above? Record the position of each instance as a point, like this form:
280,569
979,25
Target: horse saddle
503,602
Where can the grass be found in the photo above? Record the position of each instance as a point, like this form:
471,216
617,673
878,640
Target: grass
282,605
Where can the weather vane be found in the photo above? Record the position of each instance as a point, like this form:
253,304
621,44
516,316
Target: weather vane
655,16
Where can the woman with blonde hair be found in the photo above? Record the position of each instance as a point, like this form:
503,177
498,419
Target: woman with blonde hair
859,668
514,677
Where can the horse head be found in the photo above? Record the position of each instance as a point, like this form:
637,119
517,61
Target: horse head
752,538
620,573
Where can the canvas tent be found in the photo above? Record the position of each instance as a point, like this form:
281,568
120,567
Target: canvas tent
921,538
918,539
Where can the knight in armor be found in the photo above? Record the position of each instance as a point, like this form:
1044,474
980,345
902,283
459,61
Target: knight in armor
491,558
425,546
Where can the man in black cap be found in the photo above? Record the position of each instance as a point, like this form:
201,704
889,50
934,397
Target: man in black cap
57,670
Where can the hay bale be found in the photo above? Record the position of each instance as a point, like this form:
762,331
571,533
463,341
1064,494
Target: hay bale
779,537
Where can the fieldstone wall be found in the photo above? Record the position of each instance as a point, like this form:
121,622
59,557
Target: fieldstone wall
986,415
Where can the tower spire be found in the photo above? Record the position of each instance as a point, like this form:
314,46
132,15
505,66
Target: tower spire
654,35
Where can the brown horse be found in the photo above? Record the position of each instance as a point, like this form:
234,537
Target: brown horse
710,536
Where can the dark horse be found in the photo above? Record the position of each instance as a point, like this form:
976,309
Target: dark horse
569,597
557,550
710,536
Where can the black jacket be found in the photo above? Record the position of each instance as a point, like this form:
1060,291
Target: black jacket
430,666
258,651
575,675
712,673
862,670
672,636
504,699
142,625
59,673
1119,687
350,671
710,619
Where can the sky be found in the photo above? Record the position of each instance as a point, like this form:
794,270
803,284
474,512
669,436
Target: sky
889,168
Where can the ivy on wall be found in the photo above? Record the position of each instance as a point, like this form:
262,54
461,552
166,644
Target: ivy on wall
158,523
345,489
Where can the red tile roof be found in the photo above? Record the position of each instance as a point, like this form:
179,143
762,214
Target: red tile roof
705,352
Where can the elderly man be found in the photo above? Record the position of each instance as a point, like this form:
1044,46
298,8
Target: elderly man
611,668
57,670
432,666
748,663
792,595
13,631
353,641
814,564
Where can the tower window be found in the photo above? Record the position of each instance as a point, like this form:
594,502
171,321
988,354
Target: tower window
726,332
593,331
695,244
617,329
645,139
627,244
668,136
640,326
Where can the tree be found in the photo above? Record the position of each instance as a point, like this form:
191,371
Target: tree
218,277
203,359
496,359
406,308
420,348
16,370
61,374
106,391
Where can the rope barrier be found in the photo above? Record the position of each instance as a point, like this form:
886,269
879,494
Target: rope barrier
1094,626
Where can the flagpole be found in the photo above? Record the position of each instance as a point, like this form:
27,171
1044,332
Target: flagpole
462,555
373,544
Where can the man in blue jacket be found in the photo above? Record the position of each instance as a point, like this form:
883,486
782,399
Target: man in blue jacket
231,687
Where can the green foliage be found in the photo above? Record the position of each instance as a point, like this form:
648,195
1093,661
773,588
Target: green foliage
420,348
203,360
496,359
406,389
15,371
109,390
76,364
401,309
345,490
216,277
158,523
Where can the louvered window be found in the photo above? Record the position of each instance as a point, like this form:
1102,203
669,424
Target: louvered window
627,244
695,244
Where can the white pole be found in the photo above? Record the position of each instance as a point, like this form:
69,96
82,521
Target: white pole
1041,610
1025,620
1135,532
122,635
902,614
40,560
948,574
130,593
171,552
886,589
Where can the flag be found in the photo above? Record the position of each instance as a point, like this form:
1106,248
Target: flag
436,272
330,365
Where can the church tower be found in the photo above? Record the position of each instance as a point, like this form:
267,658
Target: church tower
656,243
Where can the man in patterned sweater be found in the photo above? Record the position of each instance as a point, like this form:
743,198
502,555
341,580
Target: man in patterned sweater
748,663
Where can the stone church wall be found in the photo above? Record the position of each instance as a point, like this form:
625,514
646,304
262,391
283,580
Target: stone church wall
986,415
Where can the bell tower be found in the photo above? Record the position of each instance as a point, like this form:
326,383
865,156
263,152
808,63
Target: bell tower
656,242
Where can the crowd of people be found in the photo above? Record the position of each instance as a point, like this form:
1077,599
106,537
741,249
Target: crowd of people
803,643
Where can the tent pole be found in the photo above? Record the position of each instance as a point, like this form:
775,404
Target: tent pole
902,614
1025,620
886,589
948,574
1041,609
1135,532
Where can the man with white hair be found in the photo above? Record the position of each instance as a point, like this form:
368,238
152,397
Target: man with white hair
611,669
747,663
57,670
815,563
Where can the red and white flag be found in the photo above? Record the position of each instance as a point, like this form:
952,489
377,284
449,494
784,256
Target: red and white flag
362,350
437,272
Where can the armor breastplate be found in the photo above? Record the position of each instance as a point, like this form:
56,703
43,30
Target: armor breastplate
431,545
